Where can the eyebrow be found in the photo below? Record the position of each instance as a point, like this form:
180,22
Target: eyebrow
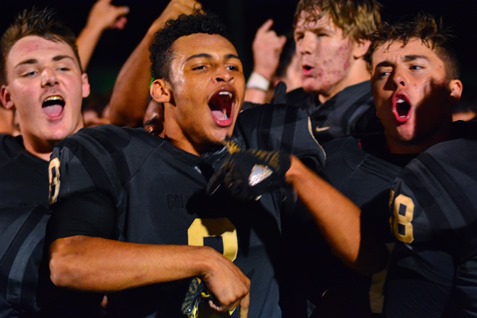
209,56
34,61
409,58
406,58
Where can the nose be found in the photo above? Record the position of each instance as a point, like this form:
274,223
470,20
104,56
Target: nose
48,77
223,75
307,44
399,79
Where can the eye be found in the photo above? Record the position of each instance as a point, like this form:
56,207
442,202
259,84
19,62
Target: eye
233,68
416,67
382,73
29,74
199,67
298,36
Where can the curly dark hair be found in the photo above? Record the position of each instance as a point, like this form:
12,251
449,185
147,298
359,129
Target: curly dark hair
424,26
160,49
35,21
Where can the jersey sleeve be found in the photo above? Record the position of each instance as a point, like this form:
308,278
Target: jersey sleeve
88,174
86,213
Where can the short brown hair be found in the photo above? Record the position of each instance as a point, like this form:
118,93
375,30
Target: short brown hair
39,22
357,18
428,29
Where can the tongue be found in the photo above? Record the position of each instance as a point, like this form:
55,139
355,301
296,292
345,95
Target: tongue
218,115
53,111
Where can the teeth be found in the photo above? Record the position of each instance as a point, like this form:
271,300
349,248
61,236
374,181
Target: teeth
400,100
53,98
225,114
224,93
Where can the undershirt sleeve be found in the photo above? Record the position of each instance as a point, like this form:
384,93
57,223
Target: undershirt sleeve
90,214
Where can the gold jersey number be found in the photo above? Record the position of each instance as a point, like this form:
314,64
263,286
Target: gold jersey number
54,177
202,228
403,214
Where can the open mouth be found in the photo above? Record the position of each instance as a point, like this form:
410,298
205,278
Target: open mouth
221,105
53,106
401,108
306,69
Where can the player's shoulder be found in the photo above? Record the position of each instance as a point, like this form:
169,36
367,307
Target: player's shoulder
106,140
450,157
108,134
102,157
10,147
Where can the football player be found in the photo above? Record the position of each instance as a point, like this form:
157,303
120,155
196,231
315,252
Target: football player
45,85
137,215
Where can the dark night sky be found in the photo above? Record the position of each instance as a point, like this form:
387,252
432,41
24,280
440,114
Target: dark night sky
243,18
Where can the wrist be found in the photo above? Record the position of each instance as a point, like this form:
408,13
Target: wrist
258,81
293,174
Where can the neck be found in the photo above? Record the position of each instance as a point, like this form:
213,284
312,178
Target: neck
401,147
357,73
41,151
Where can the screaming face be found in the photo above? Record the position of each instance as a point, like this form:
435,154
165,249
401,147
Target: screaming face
205,93
412,94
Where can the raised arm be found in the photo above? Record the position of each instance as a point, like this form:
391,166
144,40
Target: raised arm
131,89
266,47
102,16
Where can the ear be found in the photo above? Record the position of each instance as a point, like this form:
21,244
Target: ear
361,48
6,98
455,87
161,91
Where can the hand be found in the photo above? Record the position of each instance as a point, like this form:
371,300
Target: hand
173,10
267,47
198,293
251,173
103,15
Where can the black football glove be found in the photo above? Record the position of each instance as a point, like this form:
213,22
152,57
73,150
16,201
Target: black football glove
251,173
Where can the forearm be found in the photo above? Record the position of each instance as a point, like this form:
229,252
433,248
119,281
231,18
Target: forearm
101,265
131,90
87,41
338,219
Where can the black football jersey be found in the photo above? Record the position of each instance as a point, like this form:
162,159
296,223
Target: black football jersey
159,194
350,112
361,169
23,218
434,217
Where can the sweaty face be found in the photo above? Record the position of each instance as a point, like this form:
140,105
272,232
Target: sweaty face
46,87
208,86
326,56
411,93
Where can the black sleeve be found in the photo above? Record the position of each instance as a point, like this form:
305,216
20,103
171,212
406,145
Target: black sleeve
88,213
